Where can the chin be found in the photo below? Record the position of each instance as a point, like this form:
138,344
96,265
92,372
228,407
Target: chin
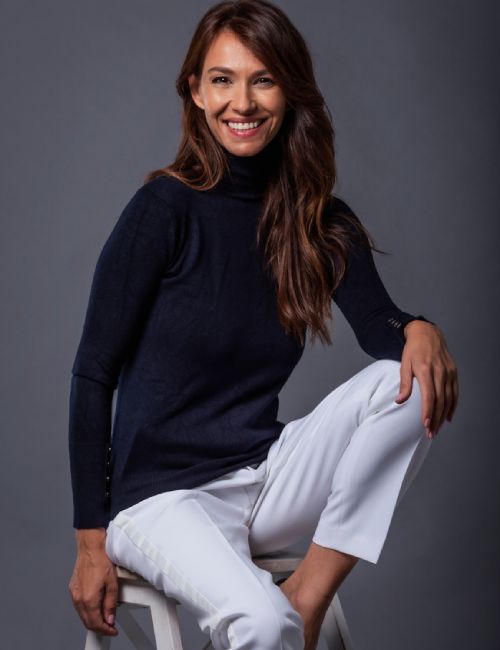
245,148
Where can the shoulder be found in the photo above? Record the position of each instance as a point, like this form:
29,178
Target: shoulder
151,210
346,224
341,215
337,208
168,190
158,203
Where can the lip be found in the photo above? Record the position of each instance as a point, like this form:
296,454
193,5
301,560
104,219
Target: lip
247,133
255,119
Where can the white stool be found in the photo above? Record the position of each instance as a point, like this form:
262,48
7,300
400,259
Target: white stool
134,592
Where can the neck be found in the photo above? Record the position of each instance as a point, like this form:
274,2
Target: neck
248,176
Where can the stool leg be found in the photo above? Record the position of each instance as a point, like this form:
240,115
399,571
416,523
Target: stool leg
163,613
165,622
94,641
334,629
132,629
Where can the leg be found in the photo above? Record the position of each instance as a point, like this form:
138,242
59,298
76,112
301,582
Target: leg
337,475
193,546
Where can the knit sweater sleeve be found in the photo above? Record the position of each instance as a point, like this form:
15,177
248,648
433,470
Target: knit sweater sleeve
377,322
126,277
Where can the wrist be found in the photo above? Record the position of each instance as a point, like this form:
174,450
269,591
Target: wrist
90,538
416,325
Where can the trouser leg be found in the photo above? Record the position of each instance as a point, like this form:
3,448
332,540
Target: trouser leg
193,545
337,474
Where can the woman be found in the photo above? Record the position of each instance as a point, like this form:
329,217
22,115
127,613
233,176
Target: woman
200,303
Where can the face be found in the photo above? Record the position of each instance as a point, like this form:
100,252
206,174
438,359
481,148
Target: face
236,91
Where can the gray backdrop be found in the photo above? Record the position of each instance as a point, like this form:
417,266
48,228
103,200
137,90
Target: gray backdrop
89,106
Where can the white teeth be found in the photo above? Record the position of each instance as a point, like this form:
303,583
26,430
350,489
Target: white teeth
243,126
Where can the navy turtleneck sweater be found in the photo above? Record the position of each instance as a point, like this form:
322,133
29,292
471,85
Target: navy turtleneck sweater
183,321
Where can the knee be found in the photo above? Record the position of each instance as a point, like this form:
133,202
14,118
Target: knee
387,368
386,385
383,379
264,627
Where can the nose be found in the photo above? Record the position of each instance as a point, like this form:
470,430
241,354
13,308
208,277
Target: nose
243,100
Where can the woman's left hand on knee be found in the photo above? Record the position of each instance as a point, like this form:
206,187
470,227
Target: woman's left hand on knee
426,356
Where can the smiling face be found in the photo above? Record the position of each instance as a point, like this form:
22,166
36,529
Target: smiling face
244,107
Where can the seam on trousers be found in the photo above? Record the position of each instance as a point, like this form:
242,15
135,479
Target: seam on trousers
248,509
353,462
152,552
378,381
138,539
155,555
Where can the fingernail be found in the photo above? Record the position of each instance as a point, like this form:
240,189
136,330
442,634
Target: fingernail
111,619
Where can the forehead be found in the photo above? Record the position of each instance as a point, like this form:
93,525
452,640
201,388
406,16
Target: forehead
228,51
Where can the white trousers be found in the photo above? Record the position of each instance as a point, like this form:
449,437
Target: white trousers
335,475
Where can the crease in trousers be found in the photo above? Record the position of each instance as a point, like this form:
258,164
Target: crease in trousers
334,476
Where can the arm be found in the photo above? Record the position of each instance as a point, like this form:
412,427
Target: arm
385,331
379,325
126,278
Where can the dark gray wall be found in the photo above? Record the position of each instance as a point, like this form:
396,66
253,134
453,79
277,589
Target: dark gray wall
89,105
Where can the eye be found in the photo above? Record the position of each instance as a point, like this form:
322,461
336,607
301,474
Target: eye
266,80
220,79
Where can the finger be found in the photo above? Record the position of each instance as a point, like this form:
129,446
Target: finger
79,605
439,401
86,613
453,378
110,599
88,608
448,403
452,399
427,397
455,394
95,619
405,384
451,392
440,381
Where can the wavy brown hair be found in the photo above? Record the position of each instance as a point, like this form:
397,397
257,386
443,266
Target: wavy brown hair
305,248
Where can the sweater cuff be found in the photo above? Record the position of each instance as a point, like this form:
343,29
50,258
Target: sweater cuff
403,318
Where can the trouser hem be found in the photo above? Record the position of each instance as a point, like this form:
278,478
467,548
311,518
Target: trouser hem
361,546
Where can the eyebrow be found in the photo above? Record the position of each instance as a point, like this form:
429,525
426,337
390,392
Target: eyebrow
228,70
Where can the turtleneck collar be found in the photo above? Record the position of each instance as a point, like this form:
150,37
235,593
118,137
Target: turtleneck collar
248,176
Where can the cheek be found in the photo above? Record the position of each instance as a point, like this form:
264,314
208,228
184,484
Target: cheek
278,105
214,101
279,113
213,114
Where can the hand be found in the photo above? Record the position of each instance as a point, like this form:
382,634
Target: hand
94,587
426,356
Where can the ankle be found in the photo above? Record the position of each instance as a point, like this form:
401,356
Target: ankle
312,603
308,598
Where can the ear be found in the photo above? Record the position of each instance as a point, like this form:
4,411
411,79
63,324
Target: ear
194,84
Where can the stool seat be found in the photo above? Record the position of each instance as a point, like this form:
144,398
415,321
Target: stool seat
135,592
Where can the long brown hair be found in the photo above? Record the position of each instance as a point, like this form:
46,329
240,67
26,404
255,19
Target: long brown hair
305,248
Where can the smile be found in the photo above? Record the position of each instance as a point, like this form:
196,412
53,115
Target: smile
244,129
